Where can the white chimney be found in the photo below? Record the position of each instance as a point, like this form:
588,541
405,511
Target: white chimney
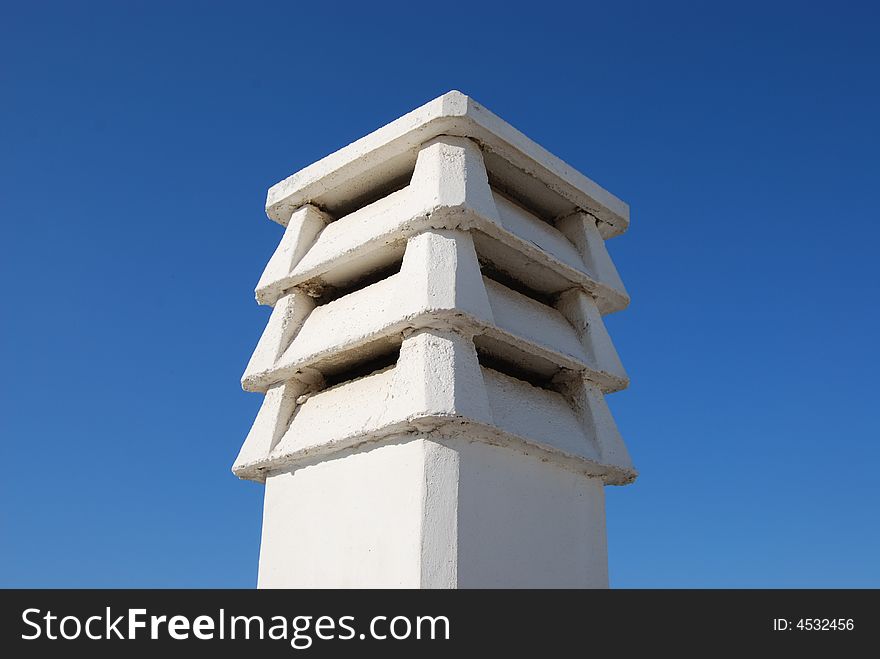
435,365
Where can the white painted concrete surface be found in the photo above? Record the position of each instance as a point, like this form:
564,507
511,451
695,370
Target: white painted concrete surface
524,523
433,512
435,365
352,521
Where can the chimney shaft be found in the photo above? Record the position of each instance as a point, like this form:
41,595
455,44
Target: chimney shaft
435,364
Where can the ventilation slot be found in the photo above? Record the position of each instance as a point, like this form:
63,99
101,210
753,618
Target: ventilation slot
525,190
362,368
327,293
514,369
366,197
490,271
511,197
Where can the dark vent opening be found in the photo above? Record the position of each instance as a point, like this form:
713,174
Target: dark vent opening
514,370
515,197
373,194
490,271
362,368
330,293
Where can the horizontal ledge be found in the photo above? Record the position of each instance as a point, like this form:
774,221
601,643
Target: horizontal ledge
453,114
493,239
456,320
447,427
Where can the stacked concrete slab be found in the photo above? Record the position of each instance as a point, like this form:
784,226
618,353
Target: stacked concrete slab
435,364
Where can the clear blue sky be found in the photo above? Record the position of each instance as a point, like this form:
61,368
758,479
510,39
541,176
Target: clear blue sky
137,141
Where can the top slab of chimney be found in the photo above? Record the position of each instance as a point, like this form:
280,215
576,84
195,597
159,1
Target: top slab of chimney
341,181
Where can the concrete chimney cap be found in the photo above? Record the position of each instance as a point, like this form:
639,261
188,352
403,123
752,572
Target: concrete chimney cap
389,153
